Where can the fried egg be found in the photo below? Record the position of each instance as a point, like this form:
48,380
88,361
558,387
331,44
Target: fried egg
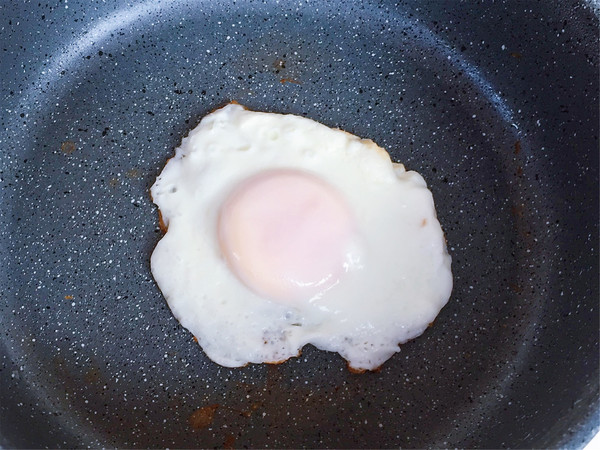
283,232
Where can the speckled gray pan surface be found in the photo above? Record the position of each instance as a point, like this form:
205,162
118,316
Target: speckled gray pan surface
495,104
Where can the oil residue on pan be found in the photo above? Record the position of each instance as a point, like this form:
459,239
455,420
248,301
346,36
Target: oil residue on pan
496,105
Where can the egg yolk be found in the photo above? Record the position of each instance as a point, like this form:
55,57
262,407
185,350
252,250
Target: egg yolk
286,234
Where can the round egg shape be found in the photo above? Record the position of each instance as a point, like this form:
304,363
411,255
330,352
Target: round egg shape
386,286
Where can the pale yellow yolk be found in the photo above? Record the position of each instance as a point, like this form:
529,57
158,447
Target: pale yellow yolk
286,234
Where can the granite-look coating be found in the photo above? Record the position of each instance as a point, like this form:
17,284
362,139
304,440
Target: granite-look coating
495,104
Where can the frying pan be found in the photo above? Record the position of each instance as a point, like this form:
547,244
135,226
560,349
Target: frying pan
496,104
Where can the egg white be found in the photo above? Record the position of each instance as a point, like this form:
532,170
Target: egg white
399,282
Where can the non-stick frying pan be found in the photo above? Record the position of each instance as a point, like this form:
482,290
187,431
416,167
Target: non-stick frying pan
495,103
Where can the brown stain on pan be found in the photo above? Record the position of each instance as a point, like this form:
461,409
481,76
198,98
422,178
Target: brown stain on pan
519,171
289,80
517,147
203,417
516,288
68,147
517,211
93,376
229,442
